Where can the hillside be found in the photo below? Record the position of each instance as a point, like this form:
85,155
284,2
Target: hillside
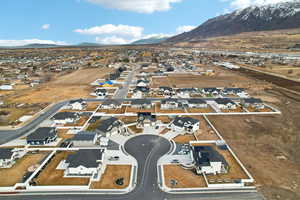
255,18
152,40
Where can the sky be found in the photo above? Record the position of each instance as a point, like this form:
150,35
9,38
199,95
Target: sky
67,22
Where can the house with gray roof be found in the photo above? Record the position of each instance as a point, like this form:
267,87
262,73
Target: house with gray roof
65,117
185,125
253,102
110,127
84,139
196,103
207,160
42,136
84,163
111,104
225,103
141,104
8,156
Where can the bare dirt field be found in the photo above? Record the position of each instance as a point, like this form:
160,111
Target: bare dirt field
185,178
51,176
70,86
11,176
268,145
184,139
111,174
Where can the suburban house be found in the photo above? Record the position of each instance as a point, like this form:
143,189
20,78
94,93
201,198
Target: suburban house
167,104
101,92
166,91
111,104
211,91
146,119
110,127
233,91
253,102
141,104
196,103
65,118
185,92
8,156
142,83
77,104
84,139
140,91
225,103
84,163
158,73
42,136
208,161
185,125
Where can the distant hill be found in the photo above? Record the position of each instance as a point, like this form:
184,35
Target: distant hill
269,17
152,40
88,44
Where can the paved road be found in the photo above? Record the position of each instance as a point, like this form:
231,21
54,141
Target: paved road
122,93
147,149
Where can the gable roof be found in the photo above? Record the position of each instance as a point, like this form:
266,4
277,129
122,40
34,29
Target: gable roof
6,153
196,101
84,136
141,102
253,100
88,158
108,124
224,101
185,121
65,115
203,155
111,102
42,133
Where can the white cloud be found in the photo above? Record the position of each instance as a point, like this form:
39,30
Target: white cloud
140,6
46,26
239,4
125,34
112,40
186,28
110,29
29,41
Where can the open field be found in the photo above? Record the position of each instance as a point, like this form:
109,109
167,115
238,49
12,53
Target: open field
51,176
185,178
113,111
268,146
111,174
70,86
11,176
184,139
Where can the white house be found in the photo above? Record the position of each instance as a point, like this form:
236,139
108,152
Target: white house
169,104
84,163
77,105
254,103
111,104
65,118
84,139
110,127
8,156
185,125
225,103
208,161
197,103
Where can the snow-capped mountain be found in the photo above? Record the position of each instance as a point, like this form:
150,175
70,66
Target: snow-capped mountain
284,15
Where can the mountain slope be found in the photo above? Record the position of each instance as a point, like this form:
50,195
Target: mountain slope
255,18
152,40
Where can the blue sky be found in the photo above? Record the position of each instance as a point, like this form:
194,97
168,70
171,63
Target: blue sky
104,21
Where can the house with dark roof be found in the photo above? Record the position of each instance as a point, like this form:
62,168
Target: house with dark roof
111,104
167,104
185,92
165,91
253,102
84,139
185,125
145,119
84,163
208,161
225,103
101,92
111,126
142,83
196,103
8,156
234,91
77,104
42,136
141,104
65,118
211,91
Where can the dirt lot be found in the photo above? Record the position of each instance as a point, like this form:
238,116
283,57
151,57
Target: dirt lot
51,176
135,110
135,130
111,174
70,86
11,176
184,139
113,111
268,145
185,178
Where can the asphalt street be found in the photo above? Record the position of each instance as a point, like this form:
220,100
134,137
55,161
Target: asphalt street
147,149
